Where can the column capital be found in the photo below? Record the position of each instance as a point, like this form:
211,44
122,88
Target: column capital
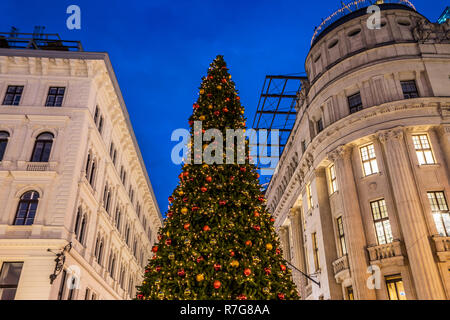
387,135
294,212
341,152
443,129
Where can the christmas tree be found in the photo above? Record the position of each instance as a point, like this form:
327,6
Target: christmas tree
218,240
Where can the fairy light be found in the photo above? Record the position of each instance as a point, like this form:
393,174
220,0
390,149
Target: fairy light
349,6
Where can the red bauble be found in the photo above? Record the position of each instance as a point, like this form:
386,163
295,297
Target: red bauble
158,268
248,243
232,253
208,179
203,189
224,80
242,297
277,251
261,198
231,178
186,226
256,214
196,106
159,237
200,259
147,270
267,271
206,228
217,284
225,110
181,273
169,214
185,199
191,123
281,296
283,267
217,266
170,199
168,242
243,169
195,208
186,173
247,272
257,228
237,98
216,113
272,220
222,202
155,249
140,296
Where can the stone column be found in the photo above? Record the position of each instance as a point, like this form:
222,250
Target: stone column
284,237
412,221
443,132
298,259
353,224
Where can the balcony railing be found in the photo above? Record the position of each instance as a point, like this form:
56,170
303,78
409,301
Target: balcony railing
442,247
38,166
340,265
386,252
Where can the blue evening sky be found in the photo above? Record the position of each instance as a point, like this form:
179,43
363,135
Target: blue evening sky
160,50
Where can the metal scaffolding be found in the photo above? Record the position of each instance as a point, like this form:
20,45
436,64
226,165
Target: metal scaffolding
276,111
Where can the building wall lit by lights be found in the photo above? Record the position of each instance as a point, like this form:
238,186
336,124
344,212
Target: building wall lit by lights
70,173
445,15
365,211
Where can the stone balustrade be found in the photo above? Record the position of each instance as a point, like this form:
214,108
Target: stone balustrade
442,245
390,253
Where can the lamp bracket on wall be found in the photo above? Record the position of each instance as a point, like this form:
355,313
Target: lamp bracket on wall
60,259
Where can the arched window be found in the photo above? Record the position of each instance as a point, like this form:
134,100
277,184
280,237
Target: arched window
26,210
98,252
91,168
4,136
80,225
42,147
112,263
127,234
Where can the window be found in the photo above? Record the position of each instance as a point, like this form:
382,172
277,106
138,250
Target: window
131,193
26,210
91,169
98,119
349,291
127,234
138,210
355,102
107,198
440,211
113,153
315,251
55,96
98,252
369,160
9,279
4,137
13,95
423,149
112,264
123,175
309,196
62,286
72,287
333,179
42,147
395,288
319,125
87,294
80,225
381,221
341,235
409,89
118,218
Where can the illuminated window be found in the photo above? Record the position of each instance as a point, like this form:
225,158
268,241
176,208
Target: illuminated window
395,288
333,180
440,211
369,160
381,221
309,196
423,149
341,235
349,291
315,251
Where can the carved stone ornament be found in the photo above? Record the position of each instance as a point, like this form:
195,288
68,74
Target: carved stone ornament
426,31
386,135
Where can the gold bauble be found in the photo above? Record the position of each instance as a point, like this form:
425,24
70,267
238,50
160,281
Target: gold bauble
200,277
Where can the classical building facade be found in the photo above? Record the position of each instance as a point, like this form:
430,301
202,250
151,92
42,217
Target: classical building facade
71,176
361,193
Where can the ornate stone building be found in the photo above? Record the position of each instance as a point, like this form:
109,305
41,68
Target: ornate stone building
361,191
71,176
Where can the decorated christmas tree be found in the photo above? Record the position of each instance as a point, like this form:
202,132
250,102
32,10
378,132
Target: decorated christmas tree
218,240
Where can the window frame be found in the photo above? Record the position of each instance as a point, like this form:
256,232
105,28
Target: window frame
11,286
332,179
409,94
55,97
395,280
420,149
341,236
353,107
315,247
15,94
45,143
442,213
371,160
381,221
4,140
29,203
